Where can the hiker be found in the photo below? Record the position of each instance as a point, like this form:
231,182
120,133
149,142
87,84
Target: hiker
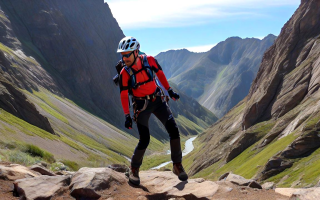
137,78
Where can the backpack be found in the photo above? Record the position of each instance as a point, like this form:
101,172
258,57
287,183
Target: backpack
132,73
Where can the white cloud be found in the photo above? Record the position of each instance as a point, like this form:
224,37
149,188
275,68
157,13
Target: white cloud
259,37
172,13
203,48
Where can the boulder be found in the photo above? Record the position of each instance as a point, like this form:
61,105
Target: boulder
41,187
224,176
118,168
239,180
14,171
159,182
41,170
268,185
90,182
300,193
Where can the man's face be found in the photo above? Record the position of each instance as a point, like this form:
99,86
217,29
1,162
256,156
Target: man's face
128,60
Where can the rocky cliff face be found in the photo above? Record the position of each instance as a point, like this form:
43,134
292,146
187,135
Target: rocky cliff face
221,77
276,127
75,42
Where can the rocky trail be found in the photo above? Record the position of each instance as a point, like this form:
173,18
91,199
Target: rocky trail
110,183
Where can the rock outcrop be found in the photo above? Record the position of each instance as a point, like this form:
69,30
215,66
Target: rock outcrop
15,102
14,172
105,183
279,119
42,187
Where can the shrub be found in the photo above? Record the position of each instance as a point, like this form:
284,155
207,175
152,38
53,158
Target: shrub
72,165
21,158
36,151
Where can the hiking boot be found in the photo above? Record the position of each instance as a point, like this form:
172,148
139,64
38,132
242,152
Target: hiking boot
134,176
179,171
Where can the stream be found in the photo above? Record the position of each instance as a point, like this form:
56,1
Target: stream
188,148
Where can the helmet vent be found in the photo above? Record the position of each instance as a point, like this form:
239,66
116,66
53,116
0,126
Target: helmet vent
122,44
132,45
127,46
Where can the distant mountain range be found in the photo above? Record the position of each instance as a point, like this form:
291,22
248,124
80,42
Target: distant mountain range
219,78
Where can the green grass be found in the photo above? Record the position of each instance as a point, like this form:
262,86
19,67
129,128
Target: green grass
154,160
53,112
19,157
24,126
38,152
306,170
262,128
312,122
44,95
188,124
22,153
71,164
248,163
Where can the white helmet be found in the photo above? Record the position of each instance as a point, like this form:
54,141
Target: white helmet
128,44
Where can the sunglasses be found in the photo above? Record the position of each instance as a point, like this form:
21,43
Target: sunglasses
127,55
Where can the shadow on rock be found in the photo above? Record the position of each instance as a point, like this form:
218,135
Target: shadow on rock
138,186
180,186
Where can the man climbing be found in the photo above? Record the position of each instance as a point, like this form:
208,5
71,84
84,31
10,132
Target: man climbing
136,78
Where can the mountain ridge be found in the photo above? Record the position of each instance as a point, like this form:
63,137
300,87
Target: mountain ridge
221,77
271,135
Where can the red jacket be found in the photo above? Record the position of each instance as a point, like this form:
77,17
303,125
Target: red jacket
143,90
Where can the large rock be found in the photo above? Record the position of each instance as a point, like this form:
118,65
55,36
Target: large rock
41,170
241,181
90,182
15,171
42,187
168,183
15,102
119,168
268,185
300,193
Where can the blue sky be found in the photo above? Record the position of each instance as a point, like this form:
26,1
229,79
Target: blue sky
198,25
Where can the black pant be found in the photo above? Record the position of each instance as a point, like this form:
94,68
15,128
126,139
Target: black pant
162,111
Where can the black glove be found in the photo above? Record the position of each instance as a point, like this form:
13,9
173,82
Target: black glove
119,66
173,95
128,123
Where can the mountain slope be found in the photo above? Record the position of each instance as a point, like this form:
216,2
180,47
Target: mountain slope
221,77
56,90
73,44
175,62
273,134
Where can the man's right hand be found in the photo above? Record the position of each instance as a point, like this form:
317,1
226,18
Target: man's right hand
128,123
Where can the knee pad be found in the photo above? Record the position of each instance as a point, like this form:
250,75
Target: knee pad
172,129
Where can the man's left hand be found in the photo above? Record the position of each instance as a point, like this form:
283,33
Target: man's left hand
173,95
